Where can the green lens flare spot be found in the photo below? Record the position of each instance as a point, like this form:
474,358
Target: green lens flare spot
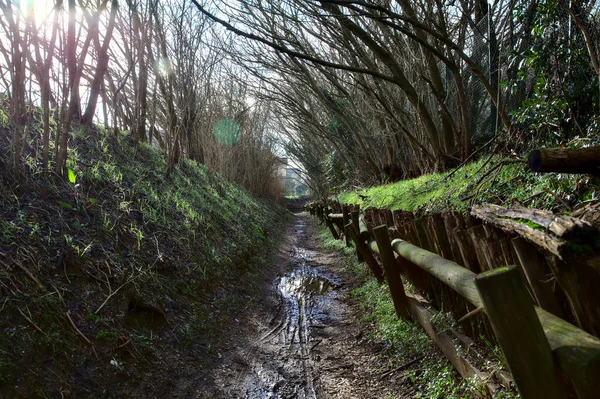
227,131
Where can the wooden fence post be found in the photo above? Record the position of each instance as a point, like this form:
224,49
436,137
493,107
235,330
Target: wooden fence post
345,221
366,254
354,218
392,274
519,331
331,227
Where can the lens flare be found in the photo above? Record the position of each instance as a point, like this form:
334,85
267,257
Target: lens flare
163,67
227,131
38,9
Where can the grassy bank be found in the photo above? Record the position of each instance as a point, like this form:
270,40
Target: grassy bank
119,269
433,376
497,181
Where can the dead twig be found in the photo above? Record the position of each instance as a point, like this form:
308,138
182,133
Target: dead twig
82,334
469,158
4,304
77,329
471,314
532,196
399,368
32,323
31,276
122,345
110,296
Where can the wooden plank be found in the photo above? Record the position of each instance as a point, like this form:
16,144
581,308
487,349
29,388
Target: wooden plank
519,333
389,217
467,250
420,226
441,241
531,263
449,226
477,234
580,281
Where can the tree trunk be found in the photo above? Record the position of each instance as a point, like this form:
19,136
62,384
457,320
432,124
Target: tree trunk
101,67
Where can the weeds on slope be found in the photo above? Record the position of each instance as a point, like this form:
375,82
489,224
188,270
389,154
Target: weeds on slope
120,269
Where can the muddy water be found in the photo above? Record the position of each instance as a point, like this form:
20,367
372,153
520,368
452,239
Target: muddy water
283,363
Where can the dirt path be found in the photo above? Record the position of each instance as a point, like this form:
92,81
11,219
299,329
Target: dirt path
306,341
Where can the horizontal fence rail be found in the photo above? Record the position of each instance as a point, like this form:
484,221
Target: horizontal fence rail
533,361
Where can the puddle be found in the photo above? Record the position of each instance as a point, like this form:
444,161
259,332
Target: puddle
305,293
300,283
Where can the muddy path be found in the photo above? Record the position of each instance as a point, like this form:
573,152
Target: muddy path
306,341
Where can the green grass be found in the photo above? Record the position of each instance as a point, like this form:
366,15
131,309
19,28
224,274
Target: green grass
499,185
190,246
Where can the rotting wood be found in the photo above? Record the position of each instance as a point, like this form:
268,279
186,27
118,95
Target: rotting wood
531,264
492,250
420,226
577,352
590,212
449,226
565,160
414,273
477,236
403,222
562,236
392,275
389,217
580,281
441,241
526,350
467,251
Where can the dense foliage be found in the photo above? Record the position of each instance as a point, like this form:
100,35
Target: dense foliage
376,91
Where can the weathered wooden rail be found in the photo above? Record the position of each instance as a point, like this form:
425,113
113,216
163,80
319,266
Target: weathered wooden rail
537,343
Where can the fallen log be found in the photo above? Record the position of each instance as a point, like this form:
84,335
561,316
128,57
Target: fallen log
563,236
563,160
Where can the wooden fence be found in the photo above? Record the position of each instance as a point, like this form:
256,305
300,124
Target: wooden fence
500,289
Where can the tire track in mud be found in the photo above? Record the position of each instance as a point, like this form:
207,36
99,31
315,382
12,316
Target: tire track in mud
304,341
303,292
